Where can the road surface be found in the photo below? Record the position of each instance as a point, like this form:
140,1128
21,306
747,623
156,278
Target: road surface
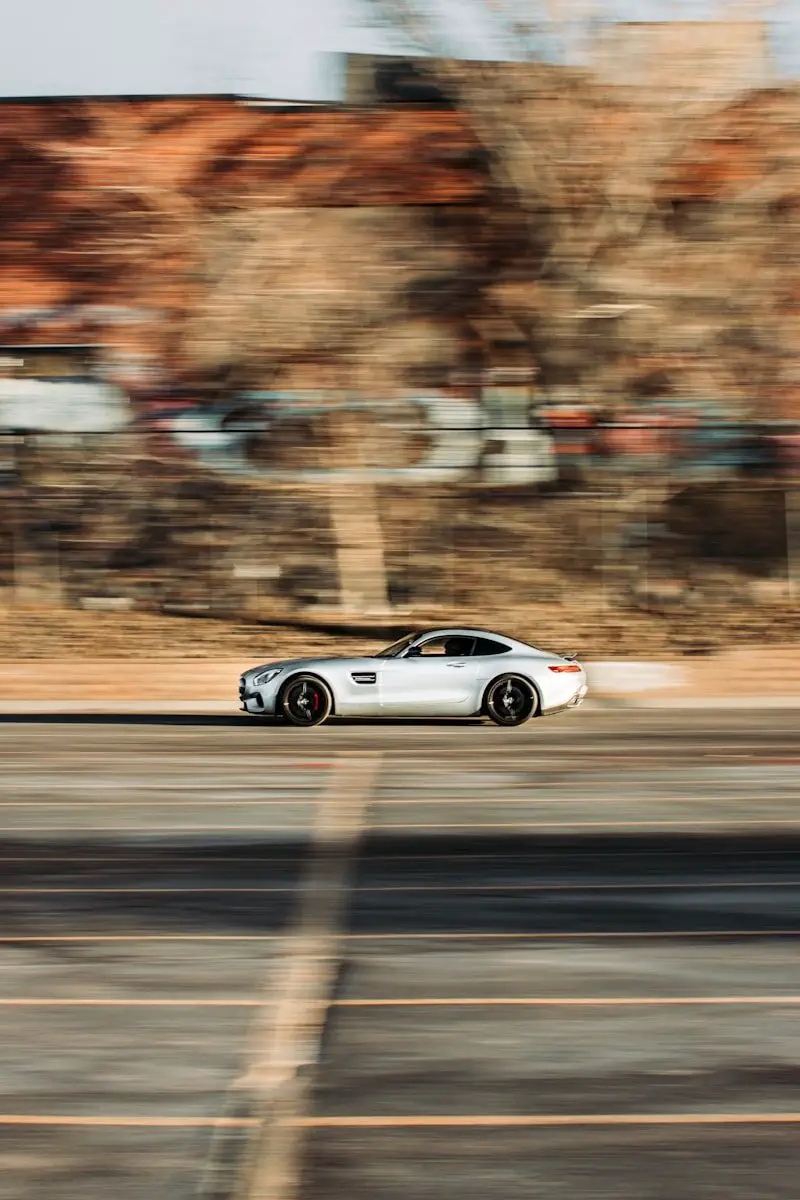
568,962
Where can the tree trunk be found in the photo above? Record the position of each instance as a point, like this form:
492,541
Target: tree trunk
353,505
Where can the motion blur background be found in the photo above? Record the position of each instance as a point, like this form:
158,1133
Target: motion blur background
319,322
516,340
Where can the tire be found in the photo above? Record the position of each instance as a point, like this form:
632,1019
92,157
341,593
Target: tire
306,700
510,700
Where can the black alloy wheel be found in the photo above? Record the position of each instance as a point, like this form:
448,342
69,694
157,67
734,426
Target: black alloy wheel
510,701
306,700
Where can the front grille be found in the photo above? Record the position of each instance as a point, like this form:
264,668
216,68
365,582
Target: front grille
242,689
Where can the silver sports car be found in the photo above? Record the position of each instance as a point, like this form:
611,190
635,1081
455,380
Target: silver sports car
433,673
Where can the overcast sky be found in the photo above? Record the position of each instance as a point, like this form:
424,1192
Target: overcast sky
285,49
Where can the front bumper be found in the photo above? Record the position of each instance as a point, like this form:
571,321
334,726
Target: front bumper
259,702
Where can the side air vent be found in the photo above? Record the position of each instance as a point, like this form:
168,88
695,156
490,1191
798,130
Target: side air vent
364,677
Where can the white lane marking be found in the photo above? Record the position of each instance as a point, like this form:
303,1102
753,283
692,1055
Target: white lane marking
286,1036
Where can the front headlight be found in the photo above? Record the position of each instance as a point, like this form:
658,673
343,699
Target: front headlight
265,676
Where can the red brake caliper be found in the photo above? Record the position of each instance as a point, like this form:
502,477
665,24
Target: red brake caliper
315,700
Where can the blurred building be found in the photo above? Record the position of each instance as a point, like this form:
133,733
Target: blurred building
106,201
713,60
90,185
383,79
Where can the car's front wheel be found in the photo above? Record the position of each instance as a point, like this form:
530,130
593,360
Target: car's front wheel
306,700
510,700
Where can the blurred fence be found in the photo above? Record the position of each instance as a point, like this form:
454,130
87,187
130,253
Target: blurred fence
181,511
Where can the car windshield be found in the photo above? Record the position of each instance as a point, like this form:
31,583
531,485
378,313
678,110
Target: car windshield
396,648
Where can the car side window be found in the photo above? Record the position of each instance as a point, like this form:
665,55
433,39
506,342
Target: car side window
447,647
433,646
485,647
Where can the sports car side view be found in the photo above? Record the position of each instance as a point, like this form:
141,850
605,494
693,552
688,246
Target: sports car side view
430,673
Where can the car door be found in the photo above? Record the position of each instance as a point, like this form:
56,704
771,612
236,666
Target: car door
435,683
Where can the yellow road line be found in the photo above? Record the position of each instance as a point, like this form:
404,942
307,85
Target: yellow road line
550,1119
58,762
480,1120
166,801
187,858
190,889
429,937
119,1002
142,937
734,822
148,830
667,885
431,827
541,797
190,856
575,935
124,1121
392,1002
560,1001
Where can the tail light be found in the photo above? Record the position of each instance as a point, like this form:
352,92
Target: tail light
565,668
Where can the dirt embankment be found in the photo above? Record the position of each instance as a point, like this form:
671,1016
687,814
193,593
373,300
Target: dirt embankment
588,630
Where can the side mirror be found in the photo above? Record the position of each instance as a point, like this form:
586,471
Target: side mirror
414,652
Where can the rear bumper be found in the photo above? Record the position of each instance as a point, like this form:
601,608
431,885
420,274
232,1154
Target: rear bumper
574,702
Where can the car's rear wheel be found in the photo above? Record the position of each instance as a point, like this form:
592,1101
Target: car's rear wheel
510,700
306,700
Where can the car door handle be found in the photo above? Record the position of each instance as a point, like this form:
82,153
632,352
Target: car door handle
455,664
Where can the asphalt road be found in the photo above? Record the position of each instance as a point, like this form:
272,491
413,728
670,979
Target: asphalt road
570,966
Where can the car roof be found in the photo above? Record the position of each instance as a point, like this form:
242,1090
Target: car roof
462,631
